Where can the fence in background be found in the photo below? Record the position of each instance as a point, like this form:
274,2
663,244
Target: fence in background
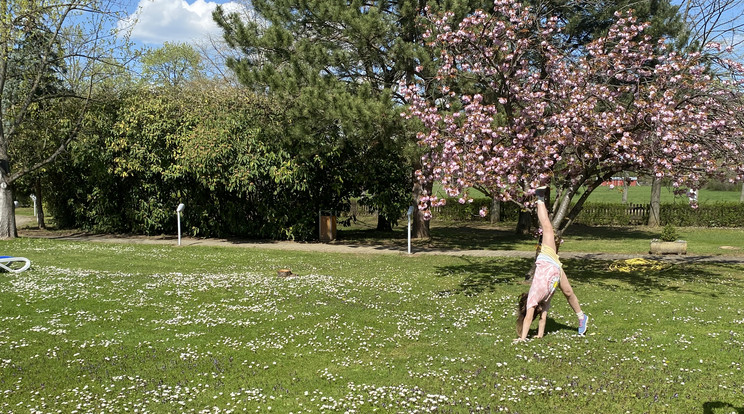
718,214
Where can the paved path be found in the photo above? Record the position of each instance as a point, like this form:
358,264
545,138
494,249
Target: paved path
339,247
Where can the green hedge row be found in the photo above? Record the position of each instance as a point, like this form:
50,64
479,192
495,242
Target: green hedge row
720,214
706,215
455,211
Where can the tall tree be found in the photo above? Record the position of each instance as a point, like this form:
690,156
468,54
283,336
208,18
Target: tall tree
38,136
337,66
628,104
172,64
705,21
43,37
584,21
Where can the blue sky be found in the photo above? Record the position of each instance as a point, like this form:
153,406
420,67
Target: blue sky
189,21
158,21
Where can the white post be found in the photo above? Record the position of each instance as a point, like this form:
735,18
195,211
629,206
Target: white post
410,212
33,197
178,219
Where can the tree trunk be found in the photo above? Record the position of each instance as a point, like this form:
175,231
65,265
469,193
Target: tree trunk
626,184
7,212
524,224
654,220
496,210
419,225
39,205
383,224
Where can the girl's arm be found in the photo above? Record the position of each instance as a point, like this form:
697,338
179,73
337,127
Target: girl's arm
527,322
541,324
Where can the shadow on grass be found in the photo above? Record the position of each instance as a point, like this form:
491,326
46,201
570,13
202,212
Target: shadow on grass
480,276
714,407
475,236
580,231
452,236
485,275
675,277
551,327
478,235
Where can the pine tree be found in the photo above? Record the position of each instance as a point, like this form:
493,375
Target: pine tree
587,20
337,65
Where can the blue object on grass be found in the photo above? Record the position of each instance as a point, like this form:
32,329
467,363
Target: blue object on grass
11,263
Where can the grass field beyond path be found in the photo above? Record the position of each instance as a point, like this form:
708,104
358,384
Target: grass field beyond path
97,327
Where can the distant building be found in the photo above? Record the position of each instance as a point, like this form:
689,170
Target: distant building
620,181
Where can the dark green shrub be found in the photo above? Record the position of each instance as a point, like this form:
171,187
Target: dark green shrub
669,233
218,152
454,211
720,214
722,186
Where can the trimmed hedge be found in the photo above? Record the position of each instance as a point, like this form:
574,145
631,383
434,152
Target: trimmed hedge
719,214
706,215
454,211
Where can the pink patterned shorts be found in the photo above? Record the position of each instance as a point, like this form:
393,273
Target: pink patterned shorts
546,279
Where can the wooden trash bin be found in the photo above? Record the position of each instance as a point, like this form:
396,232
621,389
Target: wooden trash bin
328,228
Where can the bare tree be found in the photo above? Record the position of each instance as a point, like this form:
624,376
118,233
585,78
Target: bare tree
53,54
719,21
215,51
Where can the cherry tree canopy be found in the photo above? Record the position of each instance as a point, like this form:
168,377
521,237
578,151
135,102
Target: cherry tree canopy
513,110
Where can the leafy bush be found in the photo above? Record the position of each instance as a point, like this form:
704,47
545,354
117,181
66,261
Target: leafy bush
455,211
214,150
669,233
706,215
719,214
231,157
722,186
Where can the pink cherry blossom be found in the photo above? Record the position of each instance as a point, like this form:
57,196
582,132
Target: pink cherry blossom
626,104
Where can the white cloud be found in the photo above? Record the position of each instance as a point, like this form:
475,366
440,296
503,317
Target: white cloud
158,21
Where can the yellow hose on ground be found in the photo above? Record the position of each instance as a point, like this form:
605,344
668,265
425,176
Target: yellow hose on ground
638,265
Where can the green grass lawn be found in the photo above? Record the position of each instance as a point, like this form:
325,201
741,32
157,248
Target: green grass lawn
24,211
480,235
96,327
641,194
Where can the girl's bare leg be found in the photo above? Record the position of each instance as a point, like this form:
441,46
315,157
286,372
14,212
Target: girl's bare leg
568,292
548,239
548,234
